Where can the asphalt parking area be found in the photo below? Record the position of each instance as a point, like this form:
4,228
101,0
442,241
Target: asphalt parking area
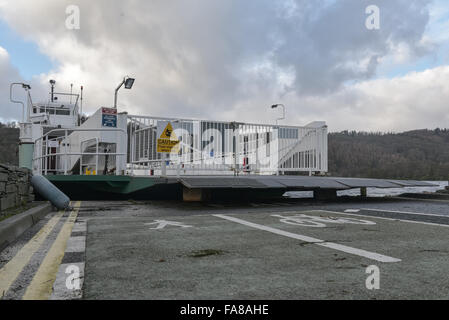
299,254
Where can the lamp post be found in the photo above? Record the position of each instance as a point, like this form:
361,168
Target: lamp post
128,82
52,84
275,106
26,145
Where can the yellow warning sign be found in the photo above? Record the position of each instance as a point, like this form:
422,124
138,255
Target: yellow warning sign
168,132
168,141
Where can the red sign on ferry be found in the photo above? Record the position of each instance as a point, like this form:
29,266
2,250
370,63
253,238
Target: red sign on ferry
109,111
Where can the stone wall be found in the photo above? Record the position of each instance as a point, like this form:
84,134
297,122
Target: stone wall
15,189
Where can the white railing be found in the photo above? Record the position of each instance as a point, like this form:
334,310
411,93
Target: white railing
205,148
55,154
218,147
309,154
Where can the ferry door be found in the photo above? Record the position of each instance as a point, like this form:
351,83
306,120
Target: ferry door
245,154
51,160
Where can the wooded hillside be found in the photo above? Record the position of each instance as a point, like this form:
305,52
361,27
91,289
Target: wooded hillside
419,154
9,144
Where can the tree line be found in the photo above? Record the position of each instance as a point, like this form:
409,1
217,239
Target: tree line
9,143
417,155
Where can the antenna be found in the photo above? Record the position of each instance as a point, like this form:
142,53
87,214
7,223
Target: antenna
71,90
81,106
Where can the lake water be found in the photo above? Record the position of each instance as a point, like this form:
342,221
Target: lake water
375,192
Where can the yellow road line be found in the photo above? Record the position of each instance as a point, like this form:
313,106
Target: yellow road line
10,271
41,286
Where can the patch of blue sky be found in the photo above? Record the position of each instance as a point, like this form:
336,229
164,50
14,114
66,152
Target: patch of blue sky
437,33
438,27
394,70
23,54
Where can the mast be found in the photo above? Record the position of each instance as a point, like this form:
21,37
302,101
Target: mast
81,107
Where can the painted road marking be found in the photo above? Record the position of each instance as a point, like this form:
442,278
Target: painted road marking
318,222
163,223
69,282
422,199
390,219
80,226
41,286
10,272
377,217
322,243
70,277
352,210
76,244
406,212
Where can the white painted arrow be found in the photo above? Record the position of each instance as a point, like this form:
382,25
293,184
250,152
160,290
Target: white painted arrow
163,223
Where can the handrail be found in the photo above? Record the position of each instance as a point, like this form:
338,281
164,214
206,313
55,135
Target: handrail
80,129
225,122
80,154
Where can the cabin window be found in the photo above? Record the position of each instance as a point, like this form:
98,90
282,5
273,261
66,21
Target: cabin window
47,110
63,112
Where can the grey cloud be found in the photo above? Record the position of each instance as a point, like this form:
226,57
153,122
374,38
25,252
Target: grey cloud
8,74
200,58
320,45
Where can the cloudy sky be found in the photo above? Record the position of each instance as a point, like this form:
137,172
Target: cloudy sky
232,59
